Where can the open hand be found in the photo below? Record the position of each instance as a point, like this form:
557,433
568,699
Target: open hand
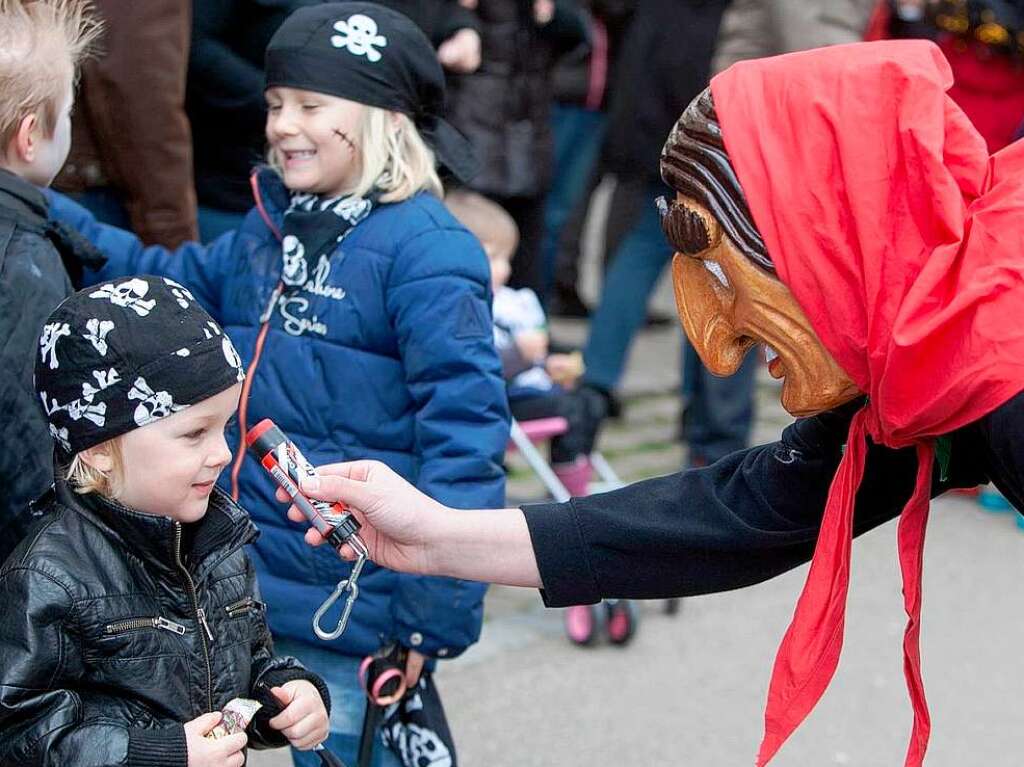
399,522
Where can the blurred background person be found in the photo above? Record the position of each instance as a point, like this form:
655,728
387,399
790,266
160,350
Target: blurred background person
131,148
504,109
983,40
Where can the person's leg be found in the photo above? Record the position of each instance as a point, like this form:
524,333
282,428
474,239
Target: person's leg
634,271
348,704
719,412
577,135
214,222
527,269
106,204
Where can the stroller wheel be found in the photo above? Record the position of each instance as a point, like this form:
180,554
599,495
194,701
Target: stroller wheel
623,617
673,606
581,622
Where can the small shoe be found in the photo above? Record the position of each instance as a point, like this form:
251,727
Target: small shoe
581,622
622,619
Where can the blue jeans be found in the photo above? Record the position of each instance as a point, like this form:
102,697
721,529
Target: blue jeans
717,412
635,267
578,134
348,704
104,203
213,222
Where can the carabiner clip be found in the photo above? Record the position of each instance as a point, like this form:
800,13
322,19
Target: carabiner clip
346,584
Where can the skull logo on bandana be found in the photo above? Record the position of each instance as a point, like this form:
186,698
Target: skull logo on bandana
359,35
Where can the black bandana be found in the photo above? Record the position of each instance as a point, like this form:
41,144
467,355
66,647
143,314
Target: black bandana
125,353
313,227
373,55
416,728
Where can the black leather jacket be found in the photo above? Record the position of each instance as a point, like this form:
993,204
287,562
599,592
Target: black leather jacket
116,629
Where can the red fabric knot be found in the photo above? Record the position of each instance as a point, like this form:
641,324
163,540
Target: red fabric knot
900,238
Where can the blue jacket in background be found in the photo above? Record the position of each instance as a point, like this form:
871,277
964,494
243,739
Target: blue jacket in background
386,352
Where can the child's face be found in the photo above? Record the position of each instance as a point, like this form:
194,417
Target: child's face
171,465
315,138
47,153
501,266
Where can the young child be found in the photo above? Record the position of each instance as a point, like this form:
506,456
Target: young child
131,614
41,46
540,383
361,309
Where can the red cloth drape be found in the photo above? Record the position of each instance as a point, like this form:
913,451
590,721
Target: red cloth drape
903,242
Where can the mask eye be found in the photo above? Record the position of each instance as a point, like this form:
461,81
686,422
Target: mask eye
684,228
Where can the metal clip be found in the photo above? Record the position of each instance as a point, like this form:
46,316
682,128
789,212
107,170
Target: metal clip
346,584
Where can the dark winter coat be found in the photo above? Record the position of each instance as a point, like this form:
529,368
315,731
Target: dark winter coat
114,633
387,353
664,63
753,514
504,107
33,280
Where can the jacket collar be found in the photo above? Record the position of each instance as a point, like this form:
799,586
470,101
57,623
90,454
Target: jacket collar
21,197
157,540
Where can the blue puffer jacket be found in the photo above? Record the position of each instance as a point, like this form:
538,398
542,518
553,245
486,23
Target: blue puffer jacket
386,353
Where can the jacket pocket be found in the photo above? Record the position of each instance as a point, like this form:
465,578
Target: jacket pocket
245,606
139,624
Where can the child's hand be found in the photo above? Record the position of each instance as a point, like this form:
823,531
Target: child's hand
533,344
228,751
304,719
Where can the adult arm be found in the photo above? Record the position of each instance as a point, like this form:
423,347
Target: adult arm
438,300
45,718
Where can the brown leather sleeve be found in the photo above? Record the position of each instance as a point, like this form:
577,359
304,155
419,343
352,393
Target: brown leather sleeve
133,97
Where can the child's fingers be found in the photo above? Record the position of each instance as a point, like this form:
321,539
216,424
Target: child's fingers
291,713
232,744
306,733
207,722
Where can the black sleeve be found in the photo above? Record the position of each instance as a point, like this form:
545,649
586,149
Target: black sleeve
740,521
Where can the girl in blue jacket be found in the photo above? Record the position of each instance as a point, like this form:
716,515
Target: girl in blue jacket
361,310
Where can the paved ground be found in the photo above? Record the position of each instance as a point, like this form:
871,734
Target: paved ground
690,689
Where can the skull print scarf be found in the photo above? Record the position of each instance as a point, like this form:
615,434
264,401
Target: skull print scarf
313,227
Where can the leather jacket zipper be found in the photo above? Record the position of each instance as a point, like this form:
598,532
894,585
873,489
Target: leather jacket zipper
200,614
135,624
243,607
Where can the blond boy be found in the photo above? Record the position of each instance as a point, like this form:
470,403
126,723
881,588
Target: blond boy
41,46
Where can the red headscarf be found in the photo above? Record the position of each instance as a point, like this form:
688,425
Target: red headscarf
903,242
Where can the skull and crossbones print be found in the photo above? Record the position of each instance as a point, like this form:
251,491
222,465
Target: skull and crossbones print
359,36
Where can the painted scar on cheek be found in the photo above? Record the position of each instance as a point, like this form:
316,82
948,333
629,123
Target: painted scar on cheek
344,137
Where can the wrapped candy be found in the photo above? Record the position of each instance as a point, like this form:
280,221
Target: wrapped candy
236,717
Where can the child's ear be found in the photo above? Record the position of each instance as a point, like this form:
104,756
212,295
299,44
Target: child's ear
25,142
99,457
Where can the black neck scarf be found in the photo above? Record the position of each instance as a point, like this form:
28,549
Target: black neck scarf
314,226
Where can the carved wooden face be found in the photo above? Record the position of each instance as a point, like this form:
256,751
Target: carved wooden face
728,305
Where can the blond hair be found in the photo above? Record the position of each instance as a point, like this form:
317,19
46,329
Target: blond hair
85,478
488,221
394,158
42,44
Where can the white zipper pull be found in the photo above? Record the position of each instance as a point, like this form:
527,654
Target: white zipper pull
206,626
163,623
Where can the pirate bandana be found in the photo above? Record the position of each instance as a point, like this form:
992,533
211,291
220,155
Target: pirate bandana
125,353
313,227
373,55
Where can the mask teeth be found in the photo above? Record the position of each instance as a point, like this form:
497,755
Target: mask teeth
770,354
715,269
